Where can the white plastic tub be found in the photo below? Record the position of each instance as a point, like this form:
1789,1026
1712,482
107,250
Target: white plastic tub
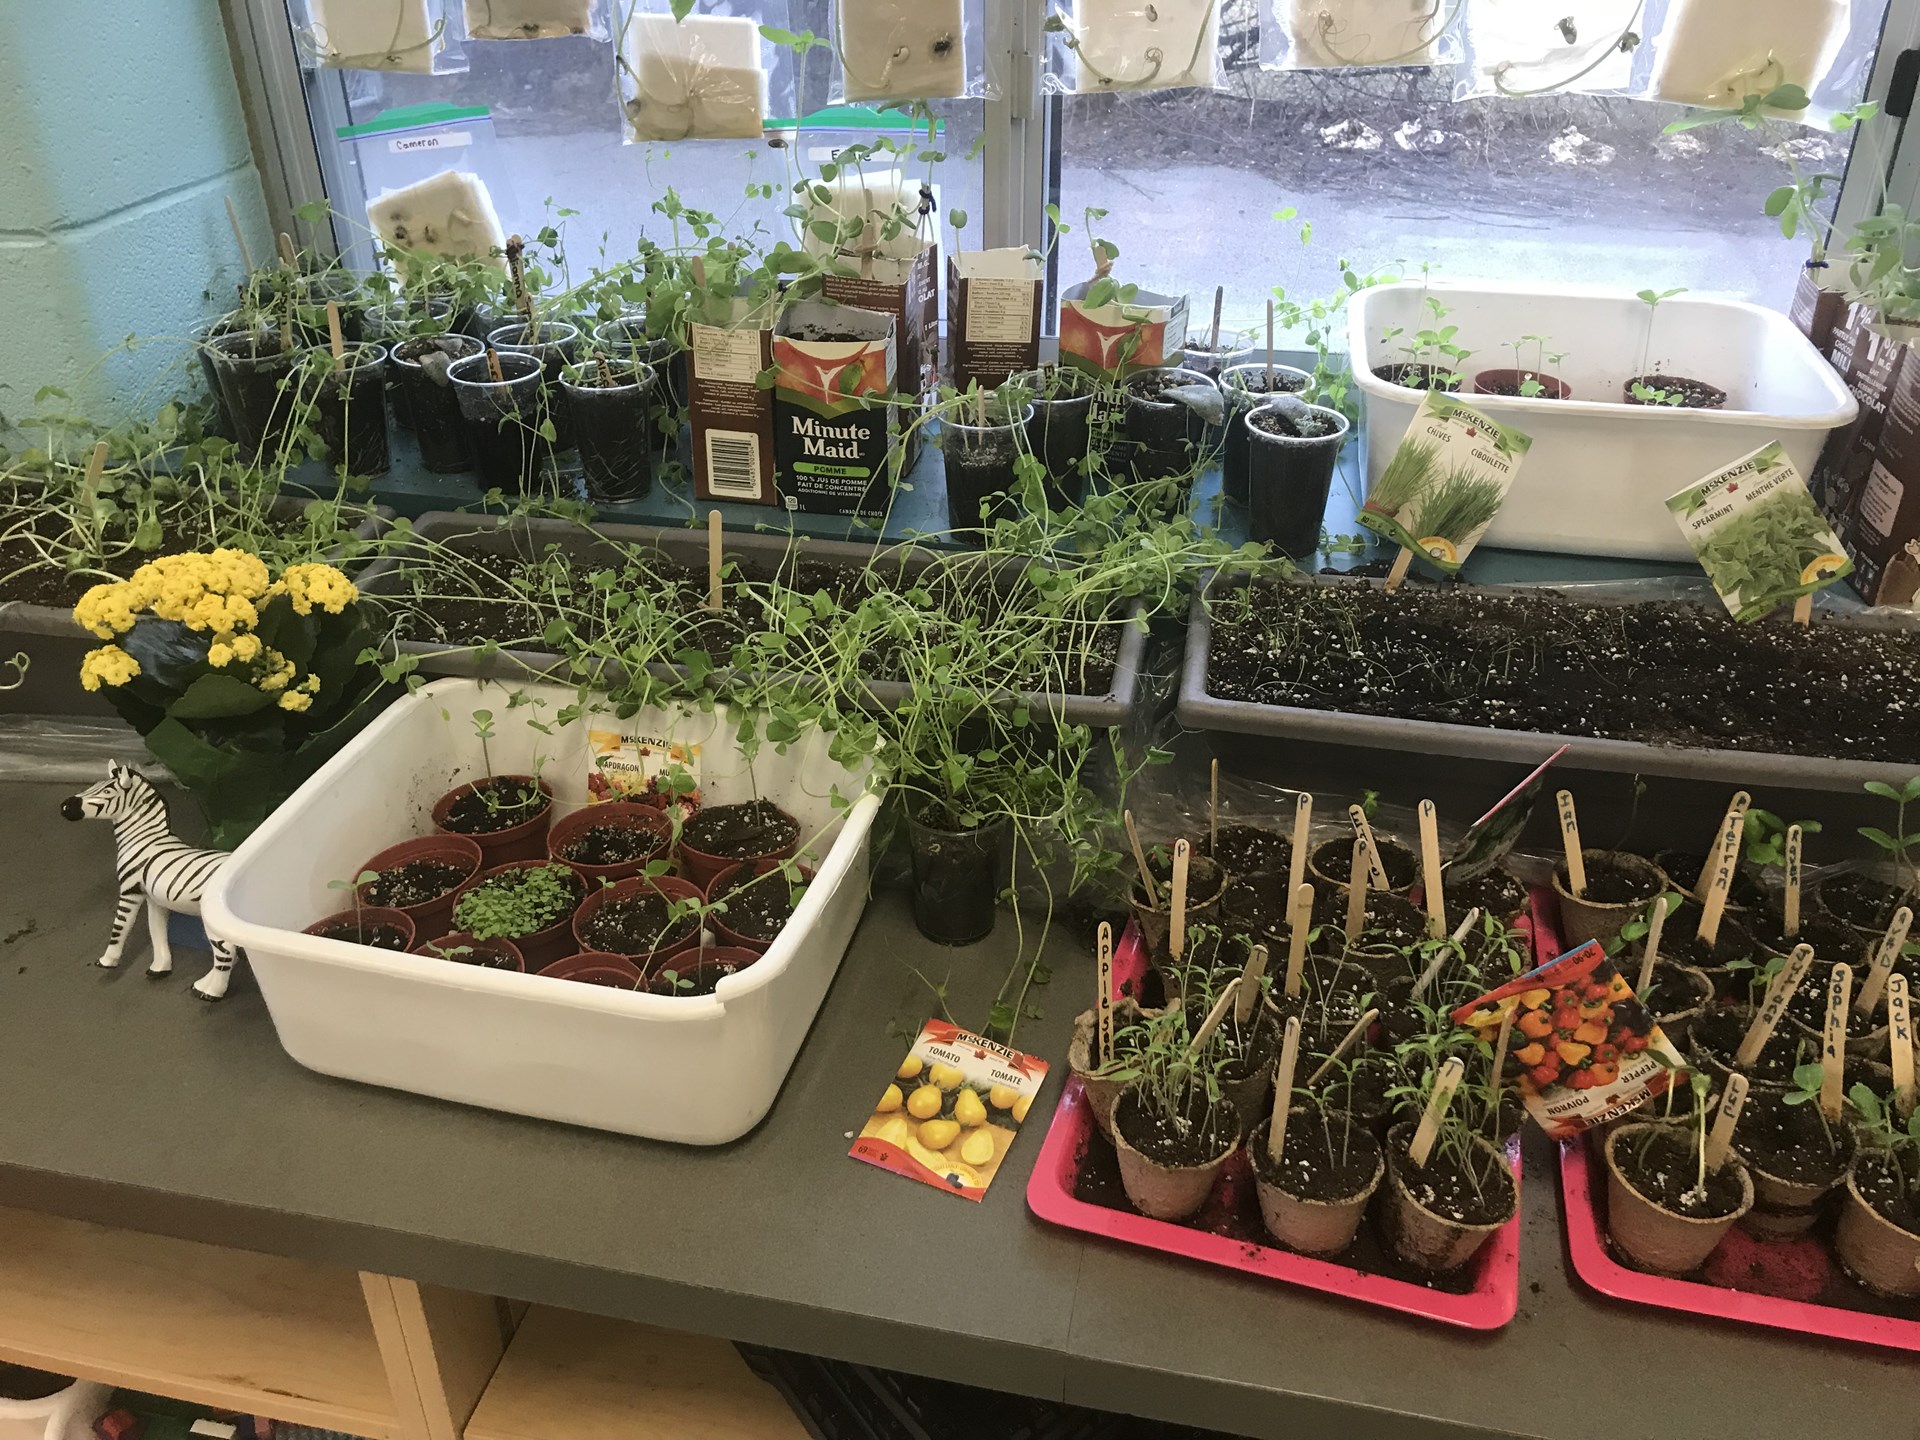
64,1415
1600,471
700,1071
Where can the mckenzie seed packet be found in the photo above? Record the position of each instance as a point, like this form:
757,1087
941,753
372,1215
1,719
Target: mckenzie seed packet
952,1110
1757,533
1445,483
1587,1050
624,764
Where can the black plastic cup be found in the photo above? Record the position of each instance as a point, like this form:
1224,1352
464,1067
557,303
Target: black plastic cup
1163,436
1289,479
554,344
956,879
256,382
1244,387
613,424
427,391
504,419
350,406
979,461
627,336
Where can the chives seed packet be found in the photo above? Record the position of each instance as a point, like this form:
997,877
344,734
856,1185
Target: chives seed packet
1444,485
1757,533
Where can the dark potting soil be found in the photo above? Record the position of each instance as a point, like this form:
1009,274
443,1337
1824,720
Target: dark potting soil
1360,1089
1251,850
1666,1169
28,527
1555,666
1165,1143
414,883
1310,426
1328,1156
1390,919
1861,900
1674,991
1243,1049
742,831
695,979
1255,906
1494,892
1550,387
380,937
493,805
1609,882
1790,1142
1151,386
1255,382
1694,394
1832,940
1204,877
1808,1005
1334,859
1683,868
1718,1034
1477,1192
1680,943
476,953
633,925
1893,1195
612,845
759,906
18,1382
1419,376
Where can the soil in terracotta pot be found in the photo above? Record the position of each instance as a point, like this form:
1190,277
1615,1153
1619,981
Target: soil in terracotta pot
1790,1142
1514,384
1468,1190
1609,882
1895,1196
633,925
686,978
738,832
18,1382
1673,991
1335,858
1328,1157
380,937
1310,426
1420,376
1861,900
1251,850
477,954
1694,394
759,906
1542,664
610,845
1666,1171
1165,1143
494,804
415,883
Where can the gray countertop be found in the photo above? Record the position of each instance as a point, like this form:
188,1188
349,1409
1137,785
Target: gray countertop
129,1103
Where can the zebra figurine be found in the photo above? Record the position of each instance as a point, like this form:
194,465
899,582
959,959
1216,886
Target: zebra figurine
170,874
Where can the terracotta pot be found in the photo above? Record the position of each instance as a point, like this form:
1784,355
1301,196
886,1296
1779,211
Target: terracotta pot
1583,920
706,969
1203,904
718,923
613,814
673,888
434,916
596,967
1875,1251
542,947
525,841
1170,1192
1785,1209
500,946
1423,1239
1311,1227
1101,1094
1652,1237
701,868
1507,383
368,917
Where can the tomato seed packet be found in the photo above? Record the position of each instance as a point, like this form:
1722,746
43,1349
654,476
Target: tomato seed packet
1588,1051
952,1110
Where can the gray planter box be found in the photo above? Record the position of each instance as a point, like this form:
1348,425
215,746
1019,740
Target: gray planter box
519,537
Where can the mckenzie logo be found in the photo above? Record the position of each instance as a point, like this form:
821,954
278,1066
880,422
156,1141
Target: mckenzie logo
827,442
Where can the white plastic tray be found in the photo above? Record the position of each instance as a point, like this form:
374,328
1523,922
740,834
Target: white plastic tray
701,1071
1600,471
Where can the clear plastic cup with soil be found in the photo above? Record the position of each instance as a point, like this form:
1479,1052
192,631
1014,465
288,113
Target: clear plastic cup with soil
1860,900
1331,860
421,388
1666,1211
698,972
717,836
754,900
958,874
349,398
457,948
1293,450
530,902
314,290
1796,1157
610,840
1878,1237
1436,1217
1521,384
554,344
1171,1153
1619,885
1245,386
506,420
980,444
1163,433
367,925
1680,392
505,815
1062,431
419,878
667,404
201,336
610,403
1330,1166
649,919
257,385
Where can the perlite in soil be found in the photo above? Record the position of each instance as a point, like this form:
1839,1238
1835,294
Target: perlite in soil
1758,535
1444,485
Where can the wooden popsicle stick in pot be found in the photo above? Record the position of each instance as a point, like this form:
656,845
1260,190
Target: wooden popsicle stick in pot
1283,1089
1432,972
1269,388
1397,576
1721,1138
1347,1042
1736,811
90,482
1791,903
1656,926
715,541
1428,1131
1900,1044
1803,610
1570,842
1213,812
1219,299
1177,931
1713,906
1250,978
1302,838
1299,921
1833,1051
288,254
1103,1001
1884,960
494,372
1140,858
1376,867
1500,1046
1774,1006
1357,889
336,338
1214,1017
1430,869
239,235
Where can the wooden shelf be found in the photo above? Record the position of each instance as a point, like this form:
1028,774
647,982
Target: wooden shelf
221,1327
568,1376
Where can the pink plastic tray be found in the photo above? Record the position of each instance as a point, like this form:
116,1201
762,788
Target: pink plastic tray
1492,1283
1584,1186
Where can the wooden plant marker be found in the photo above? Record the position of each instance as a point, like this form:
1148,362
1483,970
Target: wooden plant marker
1713,906
239,235
1833,1050
90,482
1656,926
1900,1042
516,272
1498,1073
1868,999
1432,972
1269,389
494,372
1430,869
1397,576
1791,905
714,540
1736,810
1103,1002
1219,298
1283,1089
1357,889
1214,1017
288,255
1376,867
1302,839
1444,1084
1177,931
336,338
1347,1042
1774,1006
1140,858
1213,811
1250,978
1570,842
1299,921
1803,610
1720,1139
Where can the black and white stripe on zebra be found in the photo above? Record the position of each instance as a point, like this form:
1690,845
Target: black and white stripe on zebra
150,864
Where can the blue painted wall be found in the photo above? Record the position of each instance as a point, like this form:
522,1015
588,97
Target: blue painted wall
121,134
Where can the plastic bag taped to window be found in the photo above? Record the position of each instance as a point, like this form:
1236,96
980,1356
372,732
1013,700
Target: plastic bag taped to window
407,35
535,19
449,214
1358,34
1715,53
1522,48
1108,45
701,78
911,50
422,168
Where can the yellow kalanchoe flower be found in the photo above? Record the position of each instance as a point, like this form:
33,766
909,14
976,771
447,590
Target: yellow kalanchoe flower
309,585
278,672
108,665
246,647
295,700
219,654
110,609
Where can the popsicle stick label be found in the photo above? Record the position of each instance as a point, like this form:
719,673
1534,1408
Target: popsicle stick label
1283,1089
1430,881
1376,868
1302,840
1444,1084
1757,533
1299,922
1793,877
1357,889
1443,486
1177,932
1104,1000
1774,1006
1728,1116
1833,1049
1900,1043
1884,959
1570,842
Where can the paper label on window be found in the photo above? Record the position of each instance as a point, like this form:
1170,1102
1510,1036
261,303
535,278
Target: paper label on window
444,140
625,765
999,312
726,356
1757,533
